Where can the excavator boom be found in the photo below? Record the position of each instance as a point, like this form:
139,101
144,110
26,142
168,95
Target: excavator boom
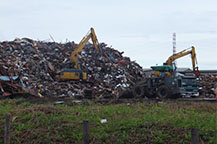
184,53
85,39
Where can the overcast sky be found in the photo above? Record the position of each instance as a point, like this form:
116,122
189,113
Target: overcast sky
141,28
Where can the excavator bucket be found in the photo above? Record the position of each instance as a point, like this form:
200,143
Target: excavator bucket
197,73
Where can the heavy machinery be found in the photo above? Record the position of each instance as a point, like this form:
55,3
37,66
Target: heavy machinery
74,70
166,83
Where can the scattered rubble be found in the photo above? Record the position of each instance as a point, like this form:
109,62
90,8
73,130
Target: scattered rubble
13,85
38,65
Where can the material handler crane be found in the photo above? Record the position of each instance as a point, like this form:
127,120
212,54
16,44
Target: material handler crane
167,82
75,71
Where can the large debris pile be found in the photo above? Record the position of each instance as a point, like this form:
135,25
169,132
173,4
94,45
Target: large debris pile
38,65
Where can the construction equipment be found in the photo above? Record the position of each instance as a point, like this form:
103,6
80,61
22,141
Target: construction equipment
75,70
167,83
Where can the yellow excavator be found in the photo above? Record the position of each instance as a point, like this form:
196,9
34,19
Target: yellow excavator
168,67
75,71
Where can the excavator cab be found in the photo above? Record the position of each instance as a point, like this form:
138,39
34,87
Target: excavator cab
73,74
164,70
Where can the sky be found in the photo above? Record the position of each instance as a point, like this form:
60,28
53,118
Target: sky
141,28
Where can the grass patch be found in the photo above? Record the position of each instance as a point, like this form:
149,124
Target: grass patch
143,122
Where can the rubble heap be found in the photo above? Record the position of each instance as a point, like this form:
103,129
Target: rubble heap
38,65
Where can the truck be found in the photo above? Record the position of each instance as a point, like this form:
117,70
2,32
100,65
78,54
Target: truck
190,87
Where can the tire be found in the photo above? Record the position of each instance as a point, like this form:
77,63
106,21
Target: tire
138,91
163,92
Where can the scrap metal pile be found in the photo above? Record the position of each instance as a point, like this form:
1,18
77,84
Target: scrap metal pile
38,64
208,85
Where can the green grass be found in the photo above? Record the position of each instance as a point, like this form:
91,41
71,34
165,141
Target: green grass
141,122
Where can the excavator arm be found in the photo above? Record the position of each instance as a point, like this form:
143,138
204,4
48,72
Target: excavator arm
184,53
74,56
